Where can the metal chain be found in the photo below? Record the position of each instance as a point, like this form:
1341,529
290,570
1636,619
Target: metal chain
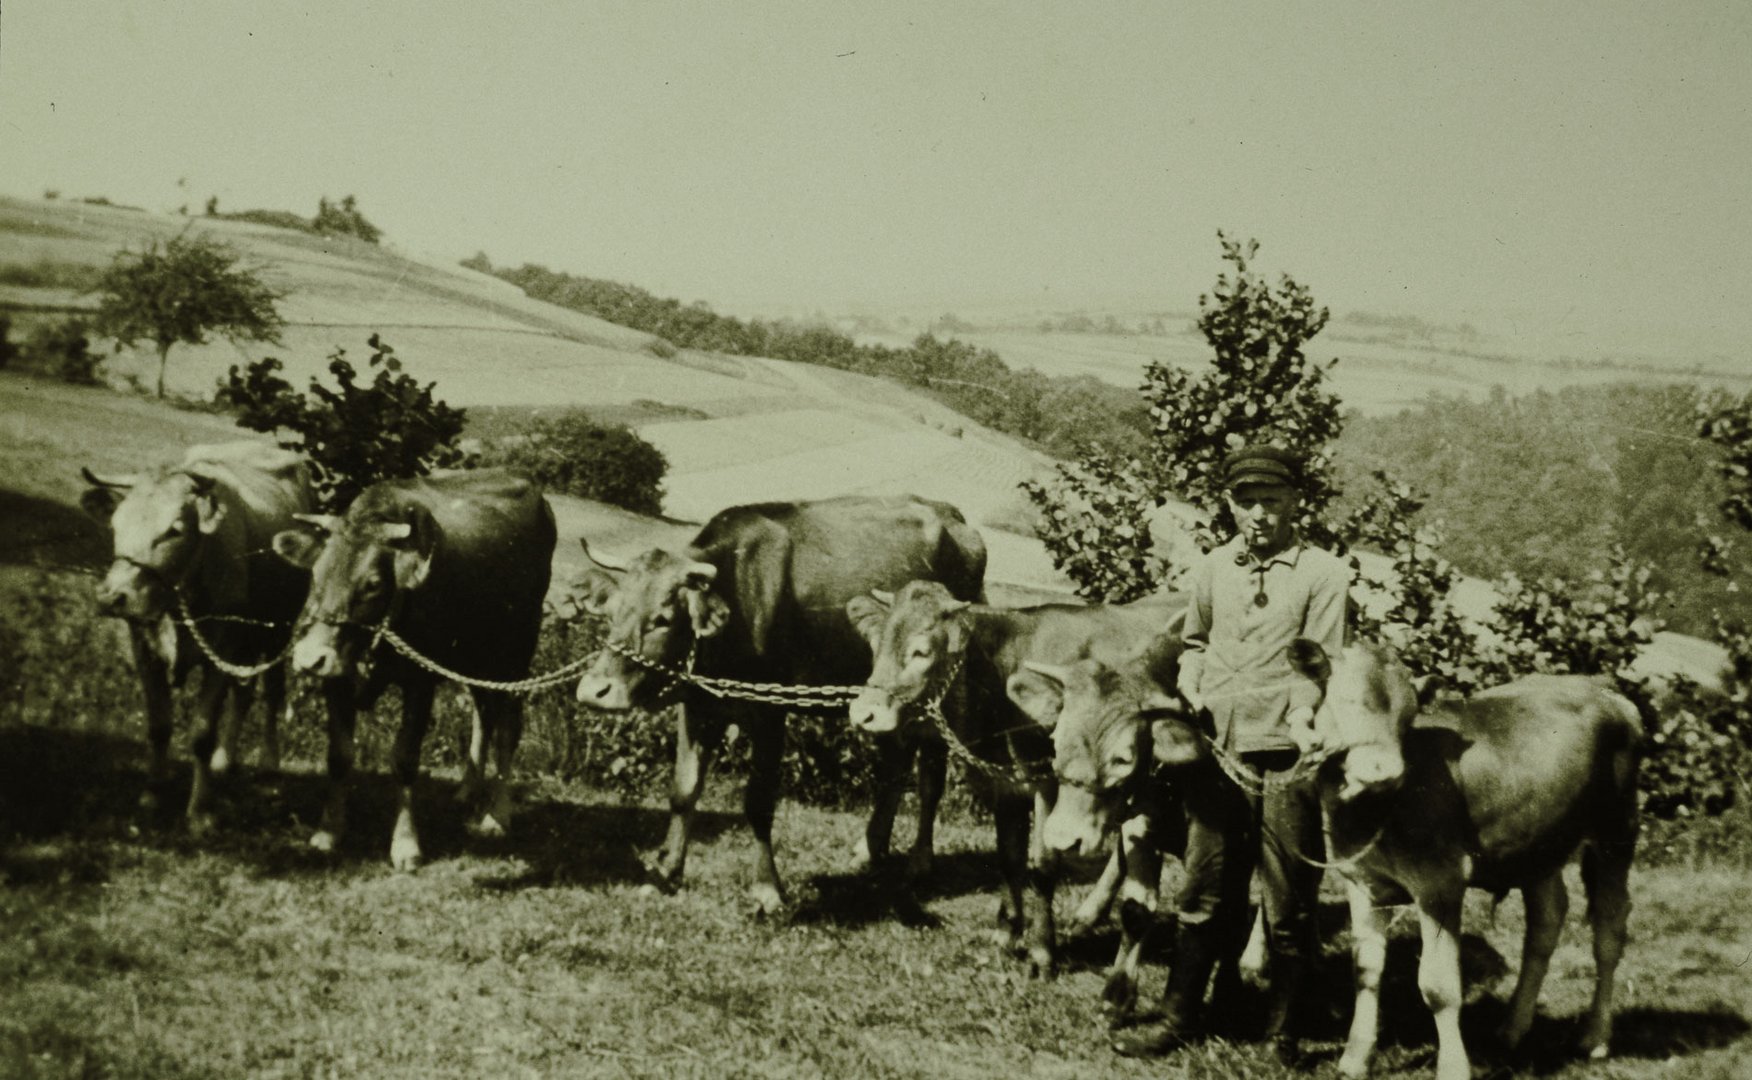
510,686
1252,783
236,671
766,693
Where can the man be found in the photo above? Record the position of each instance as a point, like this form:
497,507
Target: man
1250,598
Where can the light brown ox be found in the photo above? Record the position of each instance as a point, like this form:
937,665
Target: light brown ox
1497,792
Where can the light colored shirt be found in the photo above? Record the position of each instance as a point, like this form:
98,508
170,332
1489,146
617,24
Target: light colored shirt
1236,662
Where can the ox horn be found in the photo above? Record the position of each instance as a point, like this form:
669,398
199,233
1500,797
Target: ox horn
394,530
883,595
1057,674
328,523
108,481
614,565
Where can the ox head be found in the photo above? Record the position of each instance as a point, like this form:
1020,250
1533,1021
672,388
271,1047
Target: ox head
658,607
1111,727
362,567
916,637
160,524
1368,699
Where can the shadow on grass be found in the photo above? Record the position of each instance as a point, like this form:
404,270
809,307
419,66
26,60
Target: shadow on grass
854,899
42,532
59,784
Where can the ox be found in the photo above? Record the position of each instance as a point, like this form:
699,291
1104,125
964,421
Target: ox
456,565
922,636
760,595
192,538
1496,792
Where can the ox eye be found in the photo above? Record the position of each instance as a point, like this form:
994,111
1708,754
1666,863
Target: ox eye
173,532
660,622
919,652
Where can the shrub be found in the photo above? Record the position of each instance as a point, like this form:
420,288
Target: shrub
571,453
355,435
344,218
62,348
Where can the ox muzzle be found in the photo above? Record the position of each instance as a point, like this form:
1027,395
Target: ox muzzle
322,652
134,591
1078,823
876,710
1370,767
609,684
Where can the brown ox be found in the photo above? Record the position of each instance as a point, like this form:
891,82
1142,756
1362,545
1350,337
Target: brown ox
922,636
1118,739
456,564
195,537
760,596
1497,792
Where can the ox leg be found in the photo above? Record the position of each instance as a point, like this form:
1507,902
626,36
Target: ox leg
1010,823
499,721
1043,870
404,759
933,766
1547,904
155,683
1606,873
1142,861
697,735
1097,903
474,762
1368,959
343,710
211,705
1438,978
274,706
892,758
759,799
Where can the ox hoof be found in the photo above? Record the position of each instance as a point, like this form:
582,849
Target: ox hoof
1082,925
488,827
649,889
1120,997
1353,1066
918,866
202,824
862,863
1598,1052
405,857
324,841
1042,966
768,903
661,876
149,801
220,764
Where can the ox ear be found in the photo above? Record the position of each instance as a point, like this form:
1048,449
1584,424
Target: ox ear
596,587
1174,743
414,542
1429,687
101,502
883,596
708,612
1039,692
209,511
868,615
1310,660
298,547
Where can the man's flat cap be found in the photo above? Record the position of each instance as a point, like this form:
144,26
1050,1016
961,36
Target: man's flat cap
1262,465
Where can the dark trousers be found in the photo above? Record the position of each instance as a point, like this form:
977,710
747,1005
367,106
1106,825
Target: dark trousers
1231,832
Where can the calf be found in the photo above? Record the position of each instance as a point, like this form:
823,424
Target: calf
456,565
1497,792
923,637
191,557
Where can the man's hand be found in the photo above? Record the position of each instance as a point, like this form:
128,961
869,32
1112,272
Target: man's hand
1301,722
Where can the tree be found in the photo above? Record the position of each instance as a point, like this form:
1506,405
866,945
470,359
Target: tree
1261,388
181,292
356,435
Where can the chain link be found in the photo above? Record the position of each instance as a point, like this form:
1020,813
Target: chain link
1252,783
236,671
765,693
509,686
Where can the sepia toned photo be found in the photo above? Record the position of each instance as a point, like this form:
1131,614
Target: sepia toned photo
951,540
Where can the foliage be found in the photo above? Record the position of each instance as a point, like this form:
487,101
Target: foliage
1543,484
344,219
1727,422
51,274
355,434
571,453
62,348
182,291
1261,389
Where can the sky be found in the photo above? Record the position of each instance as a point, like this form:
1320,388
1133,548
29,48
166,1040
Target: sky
1582,170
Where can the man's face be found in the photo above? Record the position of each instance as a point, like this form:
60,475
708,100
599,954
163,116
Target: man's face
1264,513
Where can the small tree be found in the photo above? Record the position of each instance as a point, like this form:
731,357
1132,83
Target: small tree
356,435
181,292
1261,388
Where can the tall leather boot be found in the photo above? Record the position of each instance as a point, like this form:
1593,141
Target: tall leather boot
1195,952
1280,1002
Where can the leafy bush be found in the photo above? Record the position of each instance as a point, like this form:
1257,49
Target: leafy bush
355,435
49,274
572,453
345,219
62,348
1261,389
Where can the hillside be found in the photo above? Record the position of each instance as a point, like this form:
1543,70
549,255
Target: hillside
735,429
